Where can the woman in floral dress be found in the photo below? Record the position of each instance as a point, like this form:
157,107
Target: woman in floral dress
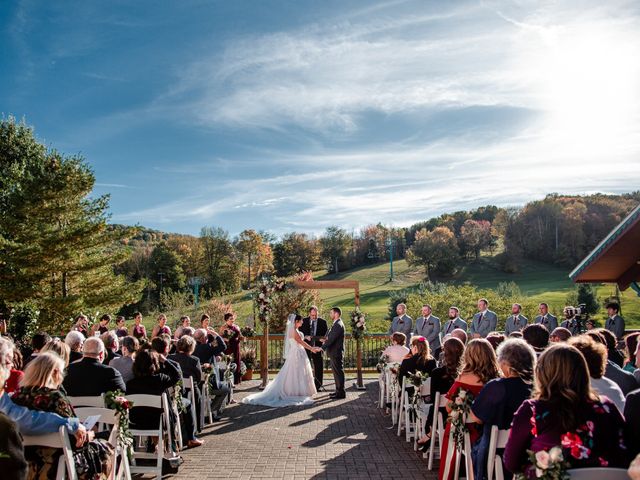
479,366
565,412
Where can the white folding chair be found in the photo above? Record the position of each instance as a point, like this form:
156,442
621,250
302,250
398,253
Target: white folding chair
497,440
421,411
190,385
465,451
394,398
174,431
152,401
598,474
93,401
205,403
401,407
437,428
382,387
60,440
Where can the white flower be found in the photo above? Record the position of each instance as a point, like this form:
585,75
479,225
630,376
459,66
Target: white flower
542,459
539,473
555,455
459,401
261,296
462,394
454,414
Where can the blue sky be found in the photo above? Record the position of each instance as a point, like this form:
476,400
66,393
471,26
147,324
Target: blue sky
297,115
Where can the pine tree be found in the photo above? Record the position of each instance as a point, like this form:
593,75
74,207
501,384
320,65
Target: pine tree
56,247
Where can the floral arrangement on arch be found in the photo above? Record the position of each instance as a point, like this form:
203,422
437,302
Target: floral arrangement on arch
247,331
358,324
460,407
266,288
118,402
546,465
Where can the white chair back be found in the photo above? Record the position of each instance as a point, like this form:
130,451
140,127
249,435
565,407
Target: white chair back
93,401
497,440
152,401
598,474
437,428
190,385
60,440
425,388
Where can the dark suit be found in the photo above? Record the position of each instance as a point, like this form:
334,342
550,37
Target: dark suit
334,346
632,421
316,358
89,377
190,366
205,351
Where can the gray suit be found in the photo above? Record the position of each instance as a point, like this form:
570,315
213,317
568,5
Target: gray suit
550,321
572,326
430,329
334,347
403,324
482,324
512,325
450,325
615,325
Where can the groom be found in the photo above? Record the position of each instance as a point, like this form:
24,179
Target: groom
333,345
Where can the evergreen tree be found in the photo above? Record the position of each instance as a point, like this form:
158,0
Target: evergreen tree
55,247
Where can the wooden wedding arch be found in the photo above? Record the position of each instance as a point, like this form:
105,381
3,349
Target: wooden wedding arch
313,285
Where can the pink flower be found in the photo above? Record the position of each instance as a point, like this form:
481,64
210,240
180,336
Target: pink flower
542,459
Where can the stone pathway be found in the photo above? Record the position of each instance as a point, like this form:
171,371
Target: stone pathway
343,439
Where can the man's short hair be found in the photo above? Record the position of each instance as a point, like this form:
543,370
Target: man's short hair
427,305
517,305
200,334
562,333
130,343
453,307
92,347
187,331
486,302
161,343
460,334
338,310
614,305
536,335
313,307
110,340
74,340
186,345
403,305
594,353
39,340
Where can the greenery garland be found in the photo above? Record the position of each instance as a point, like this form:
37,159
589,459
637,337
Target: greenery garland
358,324
116,400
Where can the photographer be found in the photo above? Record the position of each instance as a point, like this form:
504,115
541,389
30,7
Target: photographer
572,320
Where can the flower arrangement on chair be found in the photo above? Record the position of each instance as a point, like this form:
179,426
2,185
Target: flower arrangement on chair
460,407
118,402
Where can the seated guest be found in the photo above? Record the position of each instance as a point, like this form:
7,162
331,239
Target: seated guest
111,346
124,364
60,348
154,375
190,366
74,340
32,422
499,399
185,322
207,347
102,326
14,363
610,342
566,412
442,379
138,328
188,331
40,390
630,345
90,377
161,327
517,334
121,327
495,339
537,336
418,360
559,334
632,421
596,356
460,335
38,341
479,367
12,463
397,350
624,380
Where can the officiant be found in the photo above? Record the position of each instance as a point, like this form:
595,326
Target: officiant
314,328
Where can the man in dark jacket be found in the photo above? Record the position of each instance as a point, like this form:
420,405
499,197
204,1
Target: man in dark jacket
89,376
191,368
206,347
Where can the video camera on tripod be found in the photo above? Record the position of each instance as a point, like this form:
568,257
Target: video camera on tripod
578,316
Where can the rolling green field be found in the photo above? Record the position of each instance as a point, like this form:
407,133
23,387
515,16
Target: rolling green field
538,281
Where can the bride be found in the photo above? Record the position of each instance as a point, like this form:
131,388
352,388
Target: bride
294,384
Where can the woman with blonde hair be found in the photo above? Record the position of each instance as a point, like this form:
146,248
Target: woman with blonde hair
479,366
161,327
60,348
565,412
40,390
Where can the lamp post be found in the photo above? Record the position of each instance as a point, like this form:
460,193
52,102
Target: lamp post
390,243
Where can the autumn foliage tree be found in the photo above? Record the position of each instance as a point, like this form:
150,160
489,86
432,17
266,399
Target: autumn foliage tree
436,251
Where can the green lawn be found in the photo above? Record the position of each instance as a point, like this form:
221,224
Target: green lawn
538,281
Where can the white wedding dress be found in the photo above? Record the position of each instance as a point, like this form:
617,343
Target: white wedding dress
293,384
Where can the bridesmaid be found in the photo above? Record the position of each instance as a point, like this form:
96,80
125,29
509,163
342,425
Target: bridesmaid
139,331
161,327
232,335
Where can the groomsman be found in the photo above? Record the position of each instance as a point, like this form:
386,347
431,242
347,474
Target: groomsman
454,322
484,321
614,323
516,321
402,323
545,318
428,326
313,328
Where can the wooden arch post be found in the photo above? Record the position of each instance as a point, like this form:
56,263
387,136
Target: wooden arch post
339,284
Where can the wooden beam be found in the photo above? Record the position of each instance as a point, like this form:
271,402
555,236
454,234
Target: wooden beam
631,275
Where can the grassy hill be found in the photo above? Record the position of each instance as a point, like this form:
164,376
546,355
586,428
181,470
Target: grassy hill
538,281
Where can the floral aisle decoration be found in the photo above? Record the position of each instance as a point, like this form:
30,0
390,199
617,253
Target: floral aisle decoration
416,379
358,324
117,401
460,407
243,368
546,465
382,363
177,397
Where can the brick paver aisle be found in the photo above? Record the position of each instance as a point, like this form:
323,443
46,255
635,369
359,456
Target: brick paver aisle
344,439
